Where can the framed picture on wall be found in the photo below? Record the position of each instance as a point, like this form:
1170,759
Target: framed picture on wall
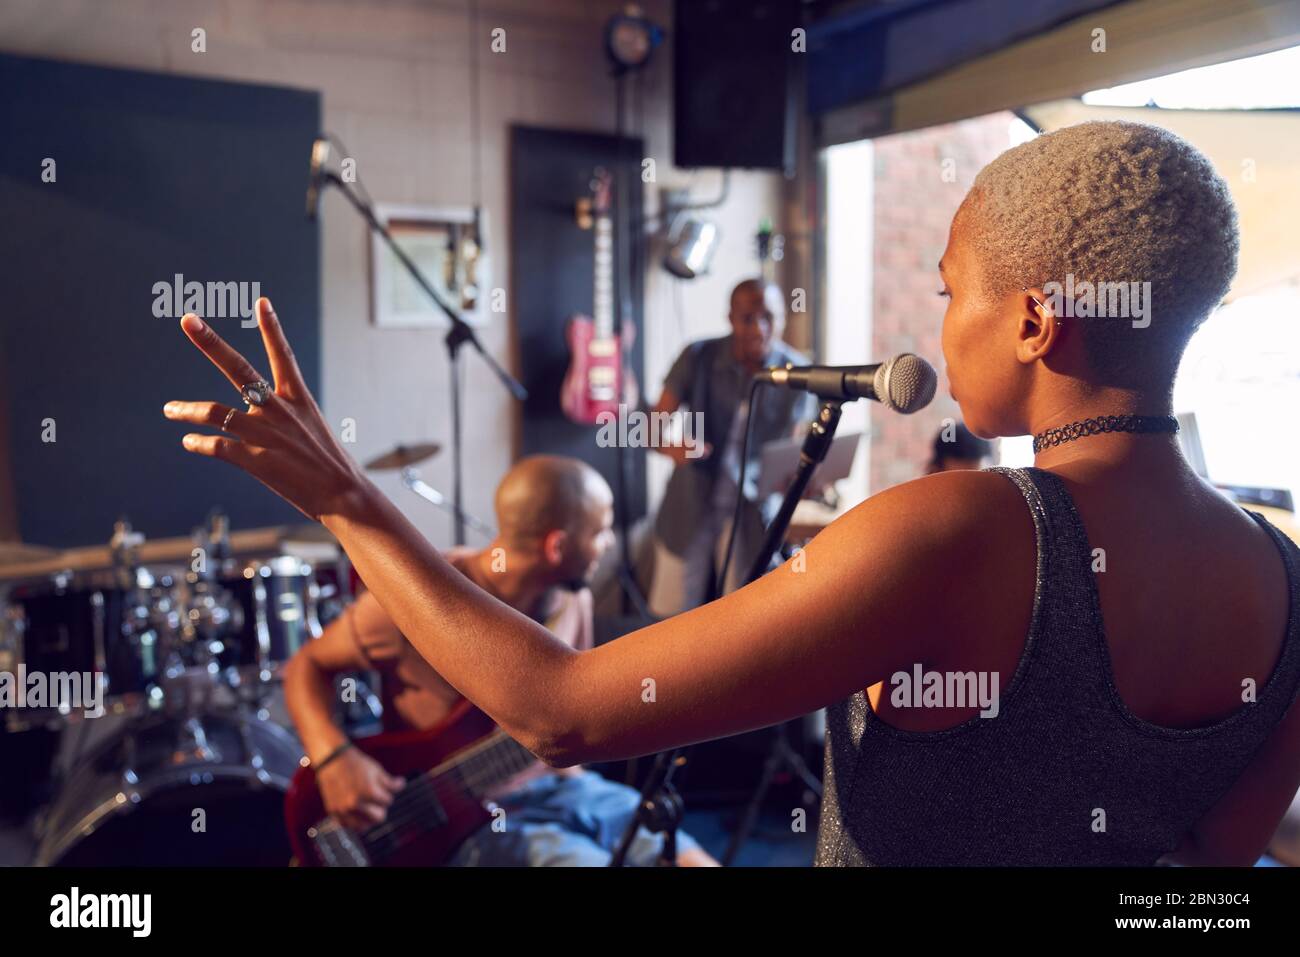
440,240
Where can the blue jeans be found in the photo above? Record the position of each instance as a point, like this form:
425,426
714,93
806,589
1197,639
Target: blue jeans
558,821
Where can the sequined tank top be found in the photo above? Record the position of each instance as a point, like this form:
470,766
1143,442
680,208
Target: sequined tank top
1064,774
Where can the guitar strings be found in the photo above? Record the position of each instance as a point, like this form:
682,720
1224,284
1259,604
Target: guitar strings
416,813
414,804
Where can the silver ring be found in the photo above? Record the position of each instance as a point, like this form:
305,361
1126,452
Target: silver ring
225,425
256,393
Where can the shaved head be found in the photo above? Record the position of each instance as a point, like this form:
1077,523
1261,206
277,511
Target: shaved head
546,493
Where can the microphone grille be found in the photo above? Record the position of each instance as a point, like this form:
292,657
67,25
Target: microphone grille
906,383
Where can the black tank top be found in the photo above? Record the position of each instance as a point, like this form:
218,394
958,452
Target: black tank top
1064,774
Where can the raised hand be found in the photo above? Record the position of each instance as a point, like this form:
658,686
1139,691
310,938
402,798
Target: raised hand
282,440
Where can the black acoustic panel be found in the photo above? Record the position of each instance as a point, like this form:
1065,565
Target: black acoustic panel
155,176
552,271
734,72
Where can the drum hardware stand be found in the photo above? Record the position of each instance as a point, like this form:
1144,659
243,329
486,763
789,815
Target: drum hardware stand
263,632
211,610
781,754
411,479
125,549
193,740
660,811
458,335
137,584
252,752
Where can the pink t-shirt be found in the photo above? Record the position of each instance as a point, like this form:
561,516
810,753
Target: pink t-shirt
415,696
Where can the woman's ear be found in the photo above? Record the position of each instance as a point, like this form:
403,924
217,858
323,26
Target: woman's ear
1038,327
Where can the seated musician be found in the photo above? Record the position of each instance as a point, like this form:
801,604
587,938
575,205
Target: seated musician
555,516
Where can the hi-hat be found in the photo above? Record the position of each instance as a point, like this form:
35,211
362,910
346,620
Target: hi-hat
404,456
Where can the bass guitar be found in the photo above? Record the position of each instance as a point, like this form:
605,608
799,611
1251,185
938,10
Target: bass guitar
449,770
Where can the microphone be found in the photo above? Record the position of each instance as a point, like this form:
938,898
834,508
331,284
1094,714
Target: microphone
905,383
320,153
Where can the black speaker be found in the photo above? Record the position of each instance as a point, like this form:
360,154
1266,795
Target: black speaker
734,83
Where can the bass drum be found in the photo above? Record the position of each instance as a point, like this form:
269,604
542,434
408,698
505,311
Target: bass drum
163,791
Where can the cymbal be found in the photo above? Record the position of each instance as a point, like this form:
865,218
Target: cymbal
403,456
309,542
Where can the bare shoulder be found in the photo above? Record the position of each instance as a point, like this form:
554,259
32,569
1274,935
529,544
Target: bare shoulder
949,558
947,508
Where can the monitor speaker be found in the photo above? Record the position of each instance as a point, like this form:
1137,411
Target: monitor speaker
734,83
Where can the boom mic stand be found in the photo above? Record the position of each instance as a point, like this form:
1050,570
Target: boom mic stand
458,335
782,754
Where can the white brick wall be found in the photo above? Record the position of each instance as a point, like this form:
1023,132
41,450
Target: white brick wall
394,75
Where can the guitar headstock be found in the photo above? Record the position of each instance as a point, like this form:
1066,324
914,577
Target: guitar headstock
598,202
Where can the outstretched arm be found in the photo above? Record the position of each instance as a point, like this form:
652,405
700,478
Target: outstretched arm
803,636
857,605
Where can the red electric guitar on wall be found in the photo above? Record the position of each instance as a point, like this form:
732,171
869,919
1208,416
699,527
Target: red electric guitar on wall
598,379
448,769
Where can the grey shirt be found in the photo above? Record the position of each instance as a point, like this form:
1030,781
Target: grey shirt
707,378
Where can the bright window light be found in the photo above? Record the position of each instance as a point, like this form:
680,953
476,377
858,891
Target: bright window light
1241,376
1255,83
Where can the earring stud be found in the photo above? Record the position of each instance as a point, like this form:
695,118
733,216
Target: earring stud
1036,300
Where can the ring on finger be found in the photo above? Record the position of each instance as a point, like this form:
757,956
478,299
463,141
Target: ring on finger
225,424
256,393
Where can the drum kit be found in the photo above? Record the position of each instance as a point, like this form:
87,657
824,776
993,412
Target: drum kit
186,753
186,650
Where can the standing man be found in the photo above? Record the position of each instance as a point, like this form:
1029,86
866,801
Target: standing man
712,376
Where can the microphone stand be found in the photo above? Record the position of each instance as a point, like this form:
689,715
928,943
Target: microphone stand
458,335
816,444
660,809
660,806
781,754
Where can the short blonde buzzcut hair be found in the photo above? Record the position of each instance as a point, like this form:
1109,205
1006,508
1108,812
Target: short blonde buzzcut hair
1113,202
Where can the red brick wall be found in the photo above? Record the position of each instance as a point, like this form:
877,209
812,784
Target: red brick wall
914,204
